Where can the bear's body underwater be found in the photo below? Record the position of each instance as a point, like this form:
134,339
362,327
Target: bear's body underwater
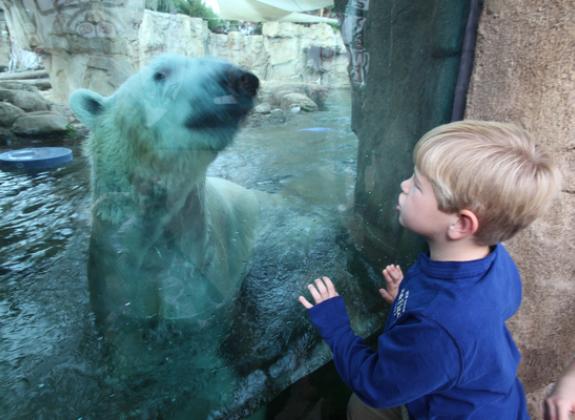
193,279
167,241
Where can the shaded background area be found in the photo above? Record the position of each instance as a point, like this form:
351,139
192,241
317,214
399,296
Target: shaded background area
414,52
525,73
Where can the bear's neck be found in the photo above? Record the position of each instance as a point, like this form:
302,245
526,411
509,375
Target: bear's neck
191,216
166,192
167,215
174,200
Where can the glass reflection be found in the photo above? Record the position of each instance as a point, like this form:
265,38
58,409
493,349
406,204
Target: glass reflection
160,275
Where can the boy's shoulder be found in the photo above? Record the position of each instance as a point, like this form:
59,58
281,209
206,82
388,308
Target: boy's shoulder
461,295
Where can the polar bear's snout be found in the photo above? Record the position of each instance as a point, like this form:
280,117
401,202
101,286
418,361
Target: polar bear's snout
241,82
239,87
232,100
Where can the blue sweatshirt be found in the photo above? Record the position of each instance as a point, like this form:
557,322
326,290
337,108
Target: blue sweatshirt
445,351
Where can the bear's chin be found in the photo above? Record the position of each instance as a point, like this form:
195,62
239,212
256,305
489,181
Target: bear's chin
214,139
227,117
211,122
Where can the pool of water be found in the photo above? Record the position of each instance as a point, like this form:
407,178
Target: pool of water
52,358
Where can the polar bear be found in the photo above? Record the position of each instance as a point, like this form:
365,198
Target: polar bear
167,242
194,280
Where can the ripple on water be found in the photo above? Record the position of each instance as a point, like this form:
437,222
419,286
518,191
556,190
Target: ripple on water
38,214
49,347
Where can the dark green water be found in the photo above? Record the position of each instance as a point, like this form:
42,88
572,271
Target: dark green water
52,362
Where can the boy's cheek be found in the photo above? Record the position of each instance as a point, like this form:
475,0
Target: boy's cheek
400,219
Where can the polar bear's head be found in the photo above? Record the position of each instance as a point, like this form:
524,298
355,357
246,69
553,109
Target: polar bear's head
172,105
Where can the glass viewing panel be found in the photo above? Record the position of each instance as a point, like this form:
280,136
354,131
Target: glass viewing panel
157,274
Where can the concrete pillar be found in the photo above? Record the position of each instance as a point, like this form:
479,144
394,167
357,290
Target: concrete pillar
413,60
525,73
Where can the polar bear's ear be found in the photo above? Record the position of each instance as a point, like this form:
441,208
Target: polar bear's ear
87,106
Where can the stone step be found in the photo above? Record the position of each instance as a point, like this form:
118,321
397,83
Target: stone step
22,75
41,84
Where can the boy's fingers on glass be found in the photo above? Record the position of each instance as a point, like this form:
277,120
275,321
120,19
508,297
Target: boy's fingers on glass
385,295
330,287
314,293
320,286
305,302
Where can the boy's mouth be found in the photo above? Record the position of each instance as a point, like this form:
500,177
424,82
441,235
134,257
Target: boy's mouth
398,204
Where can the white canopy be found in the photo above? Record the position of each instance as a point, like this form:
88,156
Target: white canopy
270,10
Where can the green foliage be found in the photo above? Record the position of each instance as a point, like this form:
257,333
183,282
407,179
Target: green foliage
165,6
193,8
218,25
196,8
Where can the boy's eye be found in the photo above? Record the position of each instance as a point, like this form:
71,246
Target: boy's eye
416,183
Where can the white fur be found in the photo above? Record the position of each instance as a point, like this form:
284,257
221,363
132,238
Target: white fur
167,241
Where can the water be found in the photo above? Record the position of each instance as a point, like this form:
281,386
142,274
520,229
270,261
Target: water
53,361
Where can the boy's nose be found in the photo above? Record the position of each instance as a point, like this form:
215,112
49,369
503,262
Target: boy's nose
405,185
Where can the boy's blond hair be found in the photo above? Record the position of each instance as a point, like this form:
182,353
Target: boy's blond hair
493,169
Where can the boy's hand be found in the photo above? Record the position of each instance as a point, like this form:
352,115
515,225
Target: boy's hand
393,277
560,405
322,290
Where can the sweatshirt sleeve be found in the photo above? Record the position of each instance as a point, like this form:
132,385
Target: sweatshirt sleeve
415,357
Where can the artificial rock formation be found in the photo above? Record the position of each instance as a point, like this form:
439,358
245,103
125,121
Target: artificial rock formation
525,73
25,112
97,45
283,52
83,44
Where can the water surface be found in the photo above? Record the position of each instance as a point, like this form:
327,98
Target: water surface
52,362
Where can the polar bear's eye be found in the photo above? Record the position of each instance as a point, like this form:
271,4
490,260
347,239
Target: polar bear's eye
160,76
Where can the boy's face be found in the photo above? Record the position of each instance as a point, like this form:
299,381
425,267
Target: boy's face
418,210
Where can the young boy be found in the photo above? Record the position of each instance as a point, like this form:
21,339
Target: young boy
445,352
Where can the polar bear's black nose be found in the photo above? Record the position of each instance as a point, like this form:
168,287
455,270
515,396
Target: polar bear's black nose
242,82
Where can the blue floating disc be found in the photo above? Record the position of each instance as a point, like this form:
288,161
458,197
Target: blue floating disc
316,129
35,158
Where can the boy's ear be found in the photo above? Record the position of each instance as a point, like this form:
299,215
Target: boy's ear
466,225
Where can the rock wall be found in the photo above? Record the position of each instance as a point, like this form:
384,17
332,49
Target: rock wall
82,44
525,73
4,43
98,45
284,51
